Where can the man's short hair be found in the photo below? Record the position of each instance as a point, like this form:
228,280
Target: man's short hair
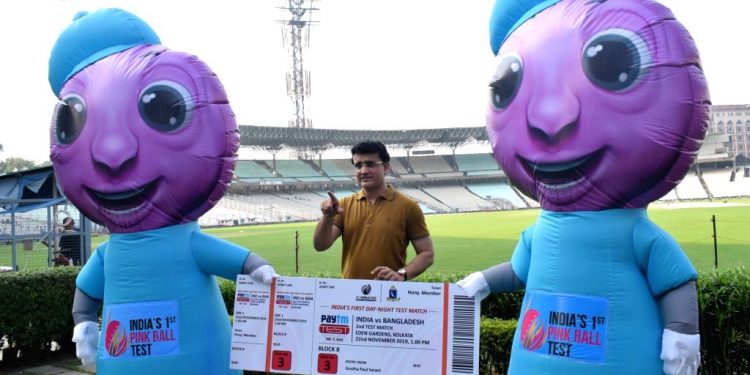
372,147
68,221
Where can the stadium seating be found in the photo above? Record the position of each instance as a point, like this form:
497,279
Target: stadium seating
500,191
295,169
459,199
425,199
439,184
429,164
338,168
721,185
670,196
411,176
691,188
249,169
398,165
476,162
714,147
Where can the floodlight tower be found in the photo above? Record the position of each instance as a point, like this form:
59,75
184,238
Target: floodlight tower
295,33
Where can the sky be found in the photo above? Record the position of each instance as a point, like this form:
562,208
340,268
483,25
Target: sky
374,65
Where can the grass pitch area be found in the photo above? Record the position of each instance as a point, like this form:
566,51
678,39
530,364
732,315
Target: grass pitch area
474,241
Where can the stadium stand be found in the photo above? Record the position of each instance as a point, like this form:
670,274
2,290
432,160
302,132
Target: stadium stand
425,199
500,192
338,168
445,174
411,176
727,183
338,193
715,148
313,179
476,163
220,215
398,166
426,210
249,169
497,173
429,164
691,188
670,196
459,199
295,169
440,183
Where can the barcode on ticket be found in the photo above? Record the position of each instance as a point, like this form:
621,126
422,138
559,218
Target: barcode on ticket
464,359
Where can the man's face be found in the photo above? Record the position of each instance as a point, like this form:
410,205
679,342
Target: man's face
370,170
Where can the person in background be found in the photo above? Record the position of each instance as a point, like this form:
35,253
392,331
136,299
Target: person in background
70,242
377,223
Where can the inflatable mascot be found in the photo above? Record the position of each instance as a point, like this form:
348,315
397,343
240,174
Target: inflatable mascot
143,141
598,107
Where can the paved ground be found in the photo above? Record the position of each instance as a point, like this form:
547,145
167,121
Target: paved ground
46,370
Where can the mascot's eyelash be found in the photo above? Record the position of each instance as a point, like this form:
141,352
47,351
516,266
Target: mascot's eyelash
152,54
493,85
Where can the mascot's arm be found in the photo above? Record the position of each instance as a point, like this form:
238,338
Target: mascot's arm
85,307
681,340
222,258
502,277
672,277
86,302
86,330
679,309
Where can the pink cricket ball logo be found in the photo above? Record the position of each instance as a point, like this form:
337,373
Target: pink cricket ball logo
533,334
116,339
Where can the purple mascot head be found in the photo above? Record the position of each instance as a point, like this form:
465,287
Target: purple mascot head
142,137
595,104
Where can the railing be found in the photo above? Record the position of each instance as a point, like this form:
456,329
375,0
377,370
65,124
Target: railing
31,239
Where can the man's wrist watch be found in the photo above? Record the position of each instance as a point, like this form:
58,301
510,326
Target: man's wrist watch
402,271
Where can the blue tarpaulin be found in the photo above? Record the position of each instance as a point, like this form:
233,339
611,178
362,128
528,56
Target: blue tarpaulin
36,186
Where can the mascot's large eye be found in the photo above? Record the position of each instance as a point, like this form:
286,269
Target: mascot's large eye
165,105
506,80
614,59
70,116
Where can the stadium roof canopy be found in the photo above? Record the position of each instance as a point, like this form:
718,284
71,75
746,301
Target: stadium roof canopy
277,138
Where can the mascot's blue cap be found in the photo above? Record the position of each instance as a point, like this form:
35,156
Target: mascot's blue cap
508,15
92,37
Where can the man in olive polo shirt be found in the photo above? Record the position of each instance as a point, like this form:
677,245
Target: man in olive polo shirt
377,223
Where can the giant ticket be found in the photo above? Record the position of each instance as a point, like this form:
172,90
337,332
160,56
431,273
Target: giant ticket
334,326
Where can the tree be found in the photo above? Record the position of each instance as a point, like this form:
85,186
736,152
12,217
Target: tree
15,164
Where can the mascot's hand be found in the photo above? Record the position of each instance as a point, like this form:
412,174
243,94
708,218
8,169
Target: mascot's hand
86,337
264,274
681,353
475,285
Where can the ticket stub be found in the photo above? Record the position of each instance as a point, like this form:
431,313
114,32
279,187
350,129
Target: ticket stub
335,326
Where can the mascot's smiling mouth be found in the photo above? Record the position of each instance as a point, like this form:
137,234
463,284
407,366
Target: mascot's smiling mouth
562,175
123,202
